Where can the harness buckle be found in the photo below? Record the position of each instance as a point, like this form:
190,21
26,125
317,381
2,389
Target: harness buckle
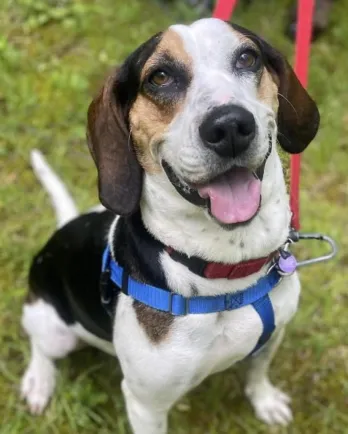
170,303
106,290
234,301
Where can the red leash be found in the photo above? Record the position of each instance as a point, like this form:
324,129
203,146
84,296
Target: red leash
224,9
305,10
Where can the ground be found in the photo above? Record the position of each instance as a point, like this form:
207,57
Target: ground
53,55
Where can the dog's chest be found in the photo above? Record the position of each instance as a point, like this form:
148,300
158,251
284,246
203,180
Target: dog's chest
234,335
198,345
217,341
222,340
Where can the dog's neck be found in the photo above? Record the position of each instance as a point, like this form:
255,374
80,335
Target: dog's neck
136,250
189,229
166,219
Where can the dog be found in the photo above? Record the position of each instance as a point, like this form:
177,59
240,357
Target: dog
184,137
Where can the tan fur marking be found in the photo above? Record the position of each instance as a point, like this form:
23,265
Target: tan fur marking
148,123
155,323
172,44
149,120
243,38
268,90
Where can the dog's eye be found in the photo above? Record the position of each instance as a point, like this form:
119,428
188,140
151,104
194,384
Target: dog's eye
247,60
160,78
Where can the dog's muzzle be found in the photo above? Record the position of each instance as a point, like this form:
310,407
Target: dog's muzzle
231,198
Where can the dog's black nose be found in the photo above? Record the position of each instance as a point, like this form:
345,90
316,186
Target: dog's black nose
228,130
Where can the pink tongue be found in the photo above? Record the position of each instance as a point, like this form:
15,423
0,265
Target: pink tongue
234,197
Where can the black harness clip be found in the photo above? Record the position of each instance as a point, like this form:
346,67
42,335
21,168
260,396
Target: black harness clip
107,291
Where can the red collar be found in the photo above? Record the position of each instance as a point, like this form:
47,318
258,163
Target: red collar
217,270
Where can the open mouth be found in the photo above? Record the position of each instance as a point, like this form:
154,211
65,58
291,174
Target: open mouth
233,197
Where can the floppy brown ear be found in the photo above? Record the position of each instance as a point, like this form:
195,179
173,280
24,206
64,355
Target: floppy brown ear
109,141
298,115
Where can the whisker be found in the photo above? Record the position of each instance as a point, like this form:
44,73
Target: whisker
283,135
289,103
129,139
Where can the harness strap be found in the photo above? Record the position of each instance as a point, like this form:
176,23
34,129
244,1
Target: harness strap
177,305
264,308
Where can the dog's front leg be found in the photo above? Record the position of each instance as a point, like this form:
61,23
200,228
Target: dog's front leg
271,405
144,416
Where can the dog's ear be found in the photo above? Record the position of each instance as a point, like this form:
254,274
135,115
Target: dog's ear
109,141
109,137
298,115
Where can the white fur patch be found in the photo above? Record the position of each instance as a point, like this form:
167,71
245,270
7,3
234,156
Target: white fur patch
97,208
38,382
50,339
188,228
212,45
93,340
271,405
196,347
62,201
50,333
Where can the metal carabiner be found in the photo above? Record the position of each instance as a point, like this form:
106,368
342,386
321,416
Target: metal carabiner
297,236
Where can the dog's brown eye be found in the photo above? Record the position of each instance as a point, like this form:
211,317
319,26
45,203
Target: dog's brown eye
160,78
246,60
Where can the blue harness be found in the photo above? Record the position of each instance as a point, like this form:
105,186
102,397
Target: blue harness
164,300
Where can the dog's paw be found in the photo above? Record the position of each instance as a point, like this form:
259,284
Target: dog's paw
271,405
37,387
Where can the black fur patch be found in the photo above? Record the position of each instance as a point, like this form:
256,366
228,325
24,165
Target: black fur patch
65,273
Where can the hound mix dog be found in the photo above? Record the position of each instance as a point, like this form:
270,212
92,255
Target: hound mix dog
184,138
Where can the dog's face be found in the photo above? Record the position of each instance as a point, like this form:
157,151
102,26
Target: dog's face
201,106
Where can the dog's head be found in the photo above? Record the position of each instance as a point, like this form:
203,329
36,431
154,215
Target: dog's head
201,106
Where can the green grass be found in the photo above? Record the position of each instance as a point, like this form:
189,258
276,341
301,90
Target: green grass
53,54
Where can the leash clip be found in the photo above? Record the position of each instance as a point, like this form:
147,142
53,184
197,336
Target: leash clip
285,263
295,236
